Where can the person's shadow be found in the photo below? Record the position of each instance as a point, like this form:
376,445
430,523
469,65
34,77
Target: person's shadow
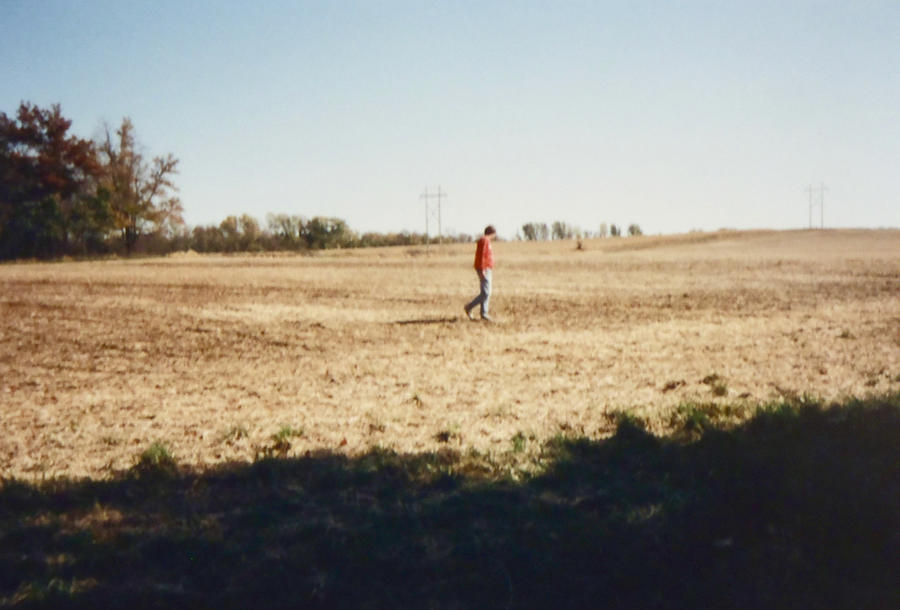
445,320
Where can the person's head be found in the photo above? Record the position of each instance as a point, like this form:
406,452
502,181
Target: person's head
490,231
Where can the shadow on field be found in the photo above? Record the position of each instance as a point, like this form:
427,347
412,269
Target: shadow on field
428,321
797,508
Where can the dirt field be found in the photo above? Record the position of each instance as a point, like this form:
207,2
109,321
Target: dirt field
343,351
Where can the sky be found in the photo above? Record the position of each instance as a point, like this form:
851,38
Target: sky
673,115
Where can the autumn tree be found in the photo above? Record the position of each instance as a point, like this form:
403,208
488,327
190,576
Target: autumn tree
286,230
322,232
207,239
50,203
142,193
250,233
231,233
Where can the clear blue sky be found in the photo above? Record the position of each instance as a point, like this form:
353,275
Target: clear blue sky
673,115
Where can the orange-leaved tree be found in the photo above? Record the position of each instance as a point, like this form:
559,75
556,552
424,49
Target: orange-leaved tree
50,203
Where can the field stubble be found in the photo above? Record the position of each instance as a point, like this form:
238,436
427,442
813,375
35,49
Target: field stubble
217,356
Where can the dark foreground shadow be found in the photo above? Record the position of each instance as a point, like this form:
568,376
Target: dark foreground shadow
798,508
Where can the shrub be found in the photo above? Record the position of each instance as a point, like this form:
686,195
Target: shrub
281,442
156,461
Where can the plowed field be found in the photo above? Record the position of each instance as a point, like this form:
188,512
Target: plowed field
215,356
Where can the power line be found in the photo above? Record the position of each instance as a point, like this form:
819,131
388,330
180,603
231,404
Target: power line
432,210
817,198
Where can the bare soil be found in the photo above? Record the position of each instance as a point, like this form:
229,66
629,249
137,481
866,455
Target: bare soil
215,355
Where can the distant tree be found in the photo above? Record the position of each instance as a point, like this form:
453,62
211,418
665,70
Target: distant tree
558,230
141,193
562,230
286,231
181,240
322,232
603,231
534,231
634,230
250,234
404,238
231,234
530,231
207,239
614,231
49,200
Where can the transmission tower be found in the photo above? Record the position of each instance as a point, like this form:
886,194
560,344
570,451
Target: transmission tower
817,198
433,210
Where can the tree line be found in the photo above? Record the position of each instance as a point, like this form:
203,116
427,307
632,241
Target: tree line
541,231
292,232
62,195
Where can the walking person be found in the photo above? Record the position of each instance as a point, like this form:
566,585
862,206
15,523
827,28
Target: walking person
484,266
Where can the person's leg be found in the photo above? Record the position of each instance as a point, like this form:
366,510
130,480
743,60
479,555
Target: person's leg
485,295
478,300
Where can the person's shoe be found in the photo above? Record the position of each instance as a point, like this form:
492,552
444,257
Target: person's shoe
486,318
468,311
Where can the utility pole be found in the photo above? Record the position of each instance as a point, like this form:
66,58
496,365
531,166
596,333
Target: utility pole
822,190
433,211
809,190
819,192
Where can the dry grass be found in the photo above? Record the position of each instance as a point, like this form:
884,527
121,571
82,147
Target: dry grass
214,356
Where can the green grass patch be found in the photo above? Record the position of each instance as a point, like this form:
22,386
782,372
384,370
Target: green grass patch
156,461
519,440
792,505
280,443
235,433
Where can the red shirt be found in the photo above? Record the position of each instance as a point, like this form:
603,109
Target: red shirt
484,256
